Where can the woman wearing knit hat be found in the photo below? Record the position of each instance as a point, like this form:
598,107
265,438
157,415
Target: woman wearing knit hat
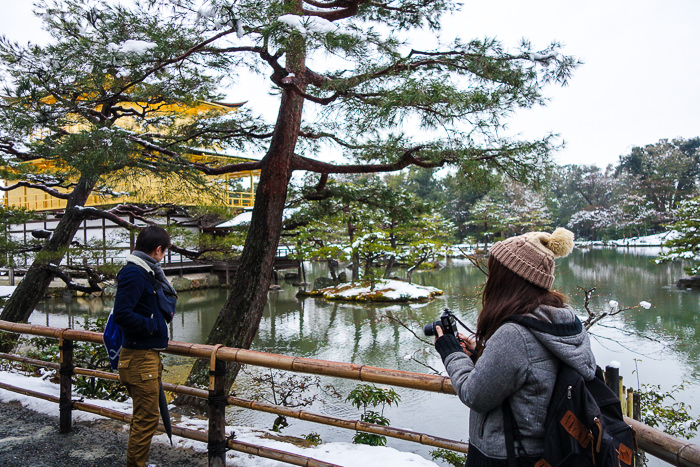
509,363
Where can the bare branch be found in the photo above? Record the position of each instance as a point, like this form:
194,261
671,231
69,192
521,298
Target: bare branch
93,279
476,260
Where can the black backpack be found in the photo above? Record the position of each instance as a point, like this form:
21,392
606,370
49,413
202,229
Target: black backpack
584,425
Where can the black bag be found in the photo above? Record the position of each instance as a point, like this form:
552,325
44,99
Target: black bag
584,425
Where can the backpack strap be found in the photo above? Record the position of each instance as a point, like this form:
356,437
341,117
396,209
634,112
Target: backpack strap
149,272
513,436
509,428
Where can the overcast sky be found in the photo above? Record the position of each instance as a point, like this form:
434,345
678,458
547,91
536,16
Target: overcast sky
639,82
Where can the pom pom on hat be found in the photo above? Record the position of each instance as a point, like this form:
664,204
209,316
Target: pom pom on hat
531,255
561,242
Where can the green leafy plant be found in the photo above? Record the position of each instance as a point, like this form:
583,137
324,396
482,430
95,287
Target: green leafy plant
289,390
673,419
451,457
368,397
313,438
85,355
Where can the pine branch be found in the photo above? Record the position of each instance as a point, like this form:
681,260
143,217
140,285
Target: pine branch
180,58
341,9
43,187
229,168
93,279
113,215
8,147
408,158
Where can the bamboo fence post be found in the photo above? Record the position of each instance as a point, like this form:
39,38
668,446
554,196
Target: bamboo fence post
630,403
621,394
216,446
65,405
637,415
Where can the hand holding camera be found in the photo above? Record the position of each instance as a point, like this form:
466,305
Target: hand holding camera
447,324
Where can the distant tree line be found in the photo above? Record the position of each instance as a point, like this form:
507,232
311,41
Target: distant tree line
642,194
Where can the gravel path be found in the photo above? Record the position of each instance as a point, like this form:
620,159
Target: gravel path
31,439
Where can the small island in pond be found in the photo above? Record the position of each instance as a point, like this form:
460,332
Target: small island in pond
384,291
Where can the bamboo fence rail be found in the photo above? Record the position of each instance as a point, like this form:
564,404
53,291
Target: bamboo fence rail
240,446
652,441
353,371
357,425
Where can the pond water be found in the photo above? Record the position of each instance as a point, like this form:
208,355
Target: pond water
655,346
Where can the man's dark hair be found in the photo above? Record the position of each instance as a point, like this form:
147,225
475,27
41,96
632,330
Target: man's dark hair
151,238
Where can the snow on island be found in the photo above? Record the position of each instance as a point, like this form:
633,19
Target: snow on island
386,290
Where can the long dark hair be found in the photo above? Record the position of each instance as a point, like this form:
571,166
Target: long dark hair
507,294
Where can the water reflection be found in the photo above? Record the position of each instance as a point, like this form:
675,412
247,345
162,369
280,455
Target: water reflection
361,333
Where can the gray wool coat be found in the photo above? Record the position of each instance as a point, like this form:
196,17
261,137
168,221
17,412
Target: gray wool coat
521,365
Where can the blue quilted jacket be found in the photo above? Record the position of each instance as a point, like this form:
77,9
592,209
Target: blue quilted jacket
136,310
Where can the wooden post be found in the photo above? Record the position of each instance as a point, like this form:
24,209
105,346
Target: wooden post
637,415
66,374
630,403
11,275
612,378
621,395
132,238
216,447
104,240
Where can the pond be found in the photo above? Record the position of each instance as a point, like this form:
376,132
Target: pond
655,346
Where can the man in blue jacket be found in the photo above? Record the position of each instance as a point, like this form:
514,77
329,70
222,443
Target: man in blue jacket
145,334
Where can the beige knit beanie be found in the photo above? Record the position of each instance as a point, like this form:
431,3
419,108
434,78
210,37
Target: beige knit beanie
531,255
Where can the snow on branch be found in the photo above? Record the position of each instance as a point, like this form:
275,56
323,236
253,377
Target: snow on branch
18,150
131,46
308,24
614,308
39,186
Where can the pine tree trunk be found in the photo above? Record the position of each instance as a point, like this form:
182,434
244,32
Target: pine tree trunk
389,266
240,316
36,281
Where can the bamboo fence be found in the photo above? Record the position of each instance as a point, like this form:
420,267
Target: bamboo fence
240,446
654,442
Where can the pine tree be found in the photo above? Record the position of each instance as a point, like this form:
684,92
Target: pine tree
348,83
102,100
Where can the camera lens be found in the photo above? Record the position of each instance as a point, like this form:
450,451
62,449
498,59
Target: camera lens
429,329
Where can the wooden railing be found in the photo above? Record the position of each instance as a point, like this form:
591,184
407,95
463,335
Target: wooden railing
654,442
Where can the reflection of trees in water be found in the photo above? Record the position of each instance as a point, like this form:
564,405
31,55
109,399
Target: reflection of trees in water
611,269
358,333
628,278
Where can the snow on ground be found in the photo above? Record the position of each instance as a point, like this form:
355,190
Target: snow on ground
345,454
647,240
7,290
384,290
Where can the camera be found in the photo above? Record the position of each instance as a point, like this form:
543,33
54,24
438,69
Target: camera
446,322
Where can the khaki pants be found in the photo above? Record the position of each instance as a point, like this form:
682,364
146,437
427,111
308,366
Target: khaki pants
140,371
